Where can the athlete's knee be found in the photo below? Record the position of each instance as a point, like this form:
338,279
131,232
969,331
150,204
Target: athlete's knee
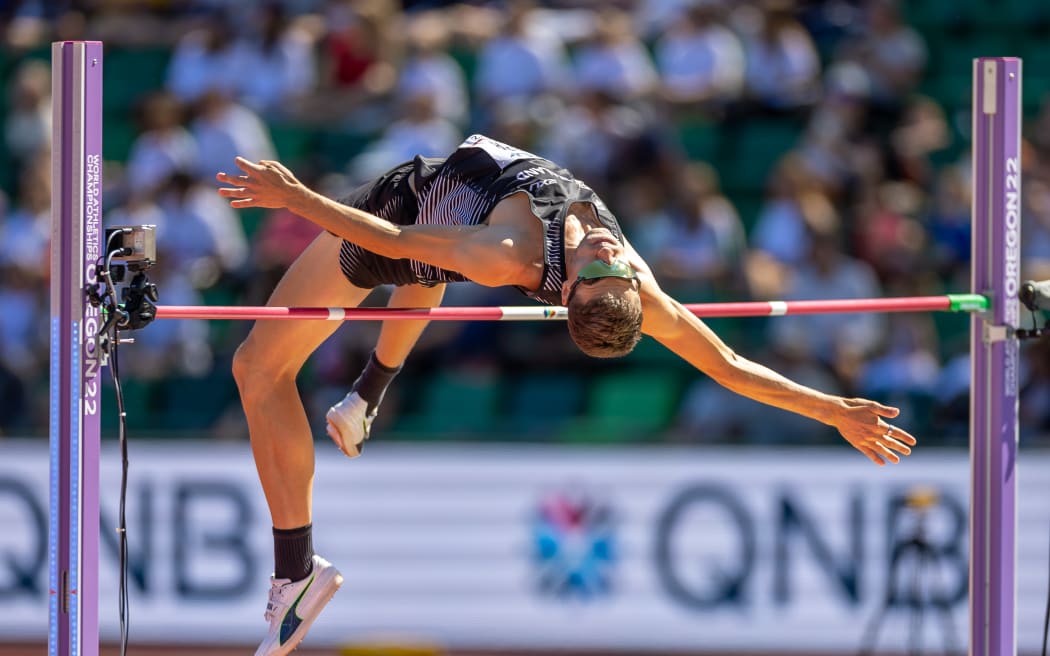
256,368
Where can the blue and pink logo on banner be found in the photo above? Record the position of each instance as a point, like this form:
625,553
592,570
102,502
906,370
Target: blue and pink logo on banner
574,546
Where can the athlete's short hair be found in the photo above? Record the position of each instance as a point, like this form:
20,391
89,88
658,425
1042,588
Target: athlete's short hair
606,325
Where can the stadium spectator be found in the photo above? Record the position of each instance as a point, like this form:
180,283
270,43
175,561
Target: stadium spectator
703,249
25,230
25,227
281,52
429,69
921,133
163,147
892,53
202,235
840,341
356,63
888,235
949,225
206,58
700,60
422,131
783,68
793,200
908,362
522,61
223,129
27,124
614,61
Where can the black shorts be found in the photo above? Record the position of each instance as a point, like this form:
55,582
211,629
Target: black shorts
389,197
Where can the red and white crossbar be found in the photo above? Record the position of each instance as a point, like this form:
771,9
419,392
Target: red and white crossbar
946,303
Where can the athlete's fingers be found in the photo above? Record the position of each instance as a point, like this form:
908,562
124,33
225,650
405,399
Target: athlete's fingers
900,438
903,436
246,165
885,452
222,176
894,444
883,410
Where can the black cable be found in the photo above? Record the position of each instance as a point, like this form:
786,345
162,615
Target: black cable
110,306
122,532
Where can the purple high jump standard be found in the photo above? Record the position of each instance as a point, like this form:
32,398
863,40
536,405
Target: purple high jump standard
994,352
76,216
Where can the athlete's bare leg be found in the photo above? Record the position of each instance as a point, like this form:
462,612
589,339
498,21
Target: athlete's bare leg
265,367
350,420
397,338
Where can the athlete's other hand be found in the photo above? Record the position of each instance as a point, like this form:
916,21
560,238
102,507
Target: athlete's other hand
862,423
263,184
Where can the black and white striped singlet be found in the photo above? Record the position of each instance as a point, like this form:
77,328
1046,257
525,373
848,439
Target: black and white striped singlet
462,190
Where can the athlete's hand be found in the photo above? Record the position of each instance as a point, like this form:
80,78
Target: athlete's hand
266,184
863,424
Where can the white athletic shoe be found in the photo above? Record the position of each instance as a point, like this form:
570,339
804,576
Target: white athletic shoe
294,605
349,423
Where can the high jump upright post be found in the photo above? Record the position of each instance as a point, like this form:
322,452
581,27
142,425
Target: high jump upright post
995,271
76,218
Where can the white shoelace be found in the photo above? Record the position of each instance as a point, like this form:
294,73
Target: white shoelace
274,604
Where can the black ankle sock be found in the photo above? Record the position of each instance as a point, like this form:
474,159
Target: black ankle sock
373,381
293,552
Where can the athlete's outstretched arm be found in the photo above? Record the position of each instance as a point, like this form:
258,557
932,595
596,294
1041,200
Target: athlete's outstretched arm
861,422
479,252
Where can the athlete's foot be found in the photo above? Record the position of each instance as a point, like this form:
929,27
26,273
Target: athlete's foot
349,423
294,605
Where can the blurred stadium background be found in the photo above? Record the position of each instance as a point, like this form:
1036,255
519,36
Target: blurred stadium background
752,149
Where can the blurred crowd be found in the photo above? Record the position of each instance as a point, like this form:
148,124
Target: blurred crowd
751,149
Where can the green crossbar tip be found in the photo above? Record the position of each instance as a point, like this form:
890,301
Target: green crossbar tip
967,303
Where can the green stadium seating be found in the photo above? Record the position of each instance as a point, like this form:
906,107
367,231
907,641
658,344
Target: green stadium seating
293,142
1011,15
131,73
752,150
336,149
953,332
699,138
468,62
954,57
748,206
1036,74
630,406
118,134
193,404
455,404
936,15
540,404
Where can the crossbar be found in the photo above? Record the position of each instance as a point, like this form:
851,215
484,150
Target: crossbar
946,303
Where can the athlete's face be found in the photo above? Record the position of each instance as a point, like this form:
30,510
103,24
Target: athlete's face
583,279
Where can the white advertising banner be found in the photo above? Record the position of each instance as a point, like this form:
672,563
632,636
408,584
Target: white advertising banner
534,547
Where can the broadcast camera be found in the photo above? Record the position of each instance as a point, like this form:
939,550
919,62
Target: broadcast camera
127,250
